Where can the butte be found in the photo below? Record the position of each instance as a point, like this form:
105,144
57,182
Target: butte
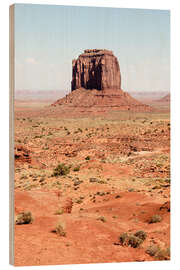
96,85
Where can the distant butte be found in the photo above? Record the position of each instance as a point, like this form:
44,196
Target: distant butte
96,69
96,83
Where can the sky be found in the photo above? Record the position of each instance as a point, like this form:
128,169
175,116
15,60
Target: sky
49,37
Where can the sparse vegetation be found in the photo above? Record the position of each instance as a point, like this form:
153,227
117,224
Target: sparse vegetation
123,238
163,254
79,201
155,219
80,130
59,212
101,219
61,169
101,192
158,253
152,250
24,218
60,229
133,240
76,169
141,234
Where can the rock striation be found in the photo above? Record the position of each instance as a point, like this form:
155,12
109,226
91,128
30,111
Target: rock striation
96,69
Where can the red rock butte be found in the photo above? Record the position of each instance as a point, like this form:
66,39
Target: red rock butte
96,69
96,83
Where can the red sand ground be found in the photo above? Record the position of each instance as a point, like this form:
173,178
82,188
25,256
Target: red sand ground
129,158
88,240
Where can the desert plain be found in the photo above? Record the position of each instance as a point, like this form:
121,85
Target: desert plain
100,176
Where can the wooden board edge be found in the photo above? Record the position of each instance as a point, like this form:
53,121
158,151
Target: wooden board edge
11,133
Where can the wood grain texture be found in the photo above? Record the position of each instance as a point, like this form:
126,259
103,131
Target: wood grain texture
11,134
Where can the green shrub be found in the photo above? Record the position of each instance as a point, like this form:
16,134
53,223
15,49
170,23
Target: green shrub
61,169
158,253
163,254
152,250
123,238
60,229
155,219
79,201
59,212
87,158
134,241
24,218
76,169
141,234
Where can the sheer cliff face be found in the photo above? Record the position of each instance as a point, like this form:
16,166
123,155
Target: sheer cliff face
96,69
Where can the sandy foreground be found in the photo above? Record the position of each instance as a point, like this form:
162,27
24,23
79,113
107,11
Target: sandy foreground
118,179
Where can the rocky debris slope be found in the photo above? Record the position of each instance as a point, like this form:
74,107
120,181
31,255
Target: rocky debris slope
107,99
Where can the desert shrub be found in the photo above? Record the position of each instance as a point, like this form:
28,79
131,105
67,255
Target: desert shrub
152,250
87,158
141,234
79,201
155,219
158,253
24,218
78,182
61,169
42,179
123,238
163,254
76,169
59,212
101,219
134,241
93,180
60,229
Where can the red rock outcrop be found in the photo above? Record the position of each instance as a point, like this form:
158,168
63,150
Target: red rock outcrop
21,154
96,69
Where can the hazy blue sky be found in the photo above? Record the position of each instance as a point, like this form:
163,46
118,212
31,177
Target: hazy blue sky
47,38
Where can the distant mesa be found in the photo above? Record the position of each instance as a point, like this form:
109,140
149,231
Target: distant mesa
96,83
165,98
